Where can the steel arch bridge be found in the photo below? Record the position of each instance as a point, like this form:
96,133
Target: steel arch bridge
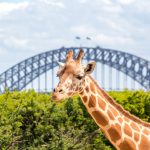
21,74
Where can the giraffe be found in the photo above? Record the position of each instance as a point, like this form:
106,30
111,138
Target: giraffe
123,130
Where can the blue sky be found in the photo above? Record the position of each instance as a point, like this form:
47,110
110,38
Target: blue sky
29,27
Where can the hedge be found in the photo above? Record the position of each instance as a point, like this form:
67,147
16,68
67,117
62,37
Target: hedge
29,120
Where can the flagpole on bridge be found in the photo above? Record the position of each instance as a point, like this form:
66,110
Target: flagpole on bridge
79,39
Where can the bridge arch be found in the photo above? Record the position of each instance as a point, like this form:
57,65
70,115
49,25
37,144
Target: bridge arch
21,74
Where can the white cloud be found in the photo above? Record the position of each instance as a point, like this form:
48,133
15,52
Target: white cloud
31,27
126,2
108,7
107,2
114,9
113,40
82,1
6,8
15,42
143,6
54,3
83,30
3,51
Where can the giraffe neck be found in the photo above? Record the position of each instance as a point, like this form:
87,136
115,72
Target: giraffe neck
122,131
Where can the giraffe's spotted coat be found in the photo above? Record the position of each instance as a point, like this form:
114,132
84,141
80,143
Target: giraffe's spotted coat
124,131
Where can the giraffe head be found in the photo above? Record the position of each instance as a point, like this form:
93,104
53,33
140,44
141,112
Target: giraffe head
71,76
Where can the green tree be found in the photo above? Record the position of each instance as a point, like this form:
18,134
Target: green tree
29,120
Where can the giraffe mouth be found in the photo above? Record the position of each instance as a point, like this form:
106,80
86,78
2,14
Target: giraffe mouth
57,98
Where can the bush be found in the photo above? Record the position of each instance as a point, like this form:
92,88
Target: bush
136,102
29,120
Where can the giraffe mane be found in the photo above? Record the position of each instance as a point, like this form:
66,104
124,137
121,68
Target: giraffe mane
119,107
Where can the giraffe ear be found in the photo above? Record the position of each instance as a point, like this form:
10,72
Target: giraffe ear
61,65
90,67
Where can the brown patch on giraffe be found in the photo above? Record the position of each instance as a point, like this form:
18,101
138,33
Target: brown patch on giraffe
120,120
92,87
115,133
101,118
136,136
118,106
134,126
101,103
82,92
118,126
69,93
80,88
100,93
144,144
111,115
146,131
87,89
127,145
76,89
66,84
114,112
85,98
126,119
92,101
127,130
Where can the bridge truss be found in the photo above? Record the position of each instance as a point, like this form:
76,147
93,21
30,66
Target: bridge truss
23,73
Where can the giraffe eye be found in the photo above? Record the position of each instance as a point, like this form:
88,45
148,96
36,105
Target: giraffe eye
79,77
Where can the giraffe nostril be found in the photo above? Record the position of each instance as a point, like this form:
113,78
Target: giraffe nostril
54,90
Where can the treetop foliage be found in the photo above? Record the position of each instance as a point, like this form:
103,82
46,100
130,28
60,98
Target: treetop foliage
30,120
